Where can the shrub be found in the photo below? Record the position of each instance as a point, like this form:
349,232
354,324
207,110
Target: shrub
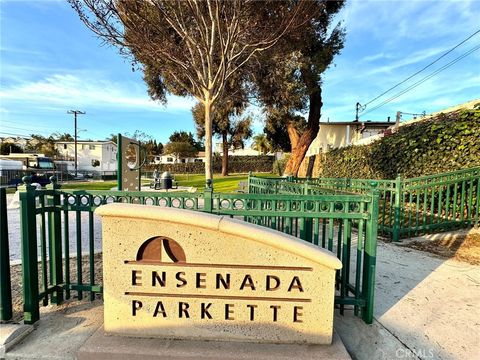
236,164
446,142
279,165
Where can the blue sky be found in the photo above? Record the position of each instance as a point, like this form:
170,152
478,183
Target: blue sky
50,63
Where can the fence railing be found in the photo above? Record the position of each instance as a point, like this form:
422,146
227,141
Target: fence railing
5,284
53,222
407,207
439,203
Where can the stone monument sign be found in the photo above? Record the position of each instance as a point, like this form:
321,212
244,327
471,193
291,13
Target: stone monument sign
176,273
129,160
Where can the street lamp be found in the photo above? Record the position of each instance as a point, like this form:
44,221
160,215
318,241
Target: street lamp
75,112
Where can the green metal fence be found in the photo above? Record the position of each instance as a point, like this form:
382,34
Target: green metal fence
407,207
50,216
338,214
5,285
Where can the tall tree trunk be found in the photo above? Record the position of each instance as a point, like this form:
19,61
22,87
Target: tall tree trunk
293,135
310,133
225,154
208,140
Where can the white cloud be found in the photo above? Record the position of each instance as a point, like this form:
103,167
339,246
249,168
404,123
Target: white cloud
399,19
416,58
72,90
20,51
374,57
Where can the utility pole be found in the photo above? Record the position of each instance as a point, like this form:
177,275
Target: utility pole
358,109
75,113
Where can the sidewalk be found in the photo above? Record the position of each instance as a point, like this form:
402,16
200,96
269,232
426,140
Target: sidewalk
426,307
75,330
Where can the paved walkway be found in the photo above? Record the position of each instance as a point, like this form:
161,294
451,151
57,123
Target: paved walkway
426,308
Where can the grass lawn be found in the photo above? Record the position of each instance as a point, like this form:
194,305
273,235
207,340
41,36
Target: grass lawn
221,183
89,185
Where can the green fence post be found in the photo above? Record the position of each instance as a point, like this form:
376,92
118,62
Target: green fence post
5,280
248,181
370,256
307,221
306,186
207,197
397,210
55,239
28,225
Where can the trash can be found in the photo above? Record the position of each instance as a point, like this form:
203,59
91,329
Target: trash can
166,180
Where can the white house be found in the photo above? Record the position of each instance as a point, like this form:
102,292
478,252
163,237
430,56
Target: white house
246,151
171,159
332,135
91,155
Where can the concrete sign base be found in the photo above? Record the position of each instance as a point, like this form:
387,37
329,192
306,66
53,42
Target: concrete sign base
181,274
101,346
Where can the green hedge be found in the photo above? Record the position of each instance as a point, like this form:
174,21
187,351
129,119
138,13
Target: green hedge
279,165
447,142
236,164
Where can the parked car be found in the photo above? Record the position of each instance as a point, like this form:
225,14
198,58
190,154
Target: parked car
79,176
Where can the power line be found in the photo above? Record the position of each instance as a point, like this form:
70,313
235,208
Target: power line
13,134
23,129
422,80
28,124
424,68
413,114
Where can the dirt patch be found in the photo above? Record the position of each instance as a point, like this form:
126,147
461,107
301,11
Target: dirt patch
17,291
462,247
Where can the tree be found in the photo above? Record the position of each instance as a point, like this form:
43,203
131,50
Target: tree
227,124
283,130
261,144
113,138
43,145
48,147
180,150
35,142
290,79
7,148
191,47
183,136
63,137
159,148
140,136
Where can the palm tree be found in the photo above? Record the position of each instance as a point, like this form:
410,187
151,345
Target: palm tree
261,144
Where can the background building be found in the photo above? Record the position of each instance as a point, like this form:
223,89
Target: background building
171,159
332,135
91,155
